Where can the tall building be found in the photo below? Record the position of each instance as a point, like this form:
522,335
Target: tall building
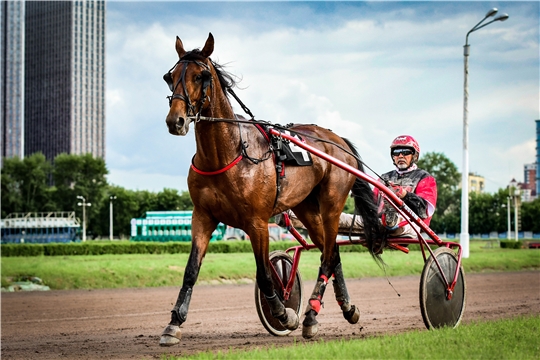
529,176
537,157
12,78
65,78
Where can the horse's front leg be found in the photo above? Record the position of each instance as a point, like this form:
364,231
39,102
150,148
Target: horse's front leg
259,242
202,228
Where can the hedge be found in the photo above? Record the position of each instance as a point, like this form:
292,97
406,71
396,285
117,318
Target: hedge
90,248
117,248
511,244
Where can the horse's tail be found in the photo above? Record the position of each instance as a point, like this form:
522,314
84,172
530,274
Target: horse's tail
366,206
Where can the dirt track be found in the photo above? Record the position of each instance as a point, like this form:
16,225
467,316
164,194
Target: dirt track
126,324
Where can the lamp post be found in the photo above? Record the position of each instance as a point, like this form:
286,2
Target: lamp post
111,198
464,235
516,214
509,223
84,204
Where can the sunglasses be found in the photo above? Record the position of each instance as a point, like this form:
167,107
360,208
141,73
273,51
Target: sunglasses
404,152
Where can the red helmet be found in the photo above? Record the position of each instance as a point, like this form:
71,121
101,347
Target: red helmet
406,141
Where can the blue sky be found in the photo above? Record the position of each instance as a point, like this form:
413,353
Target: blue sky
368,70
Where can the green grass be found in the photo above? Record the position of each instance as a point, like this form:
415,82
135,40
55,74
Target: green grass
502,339
123,271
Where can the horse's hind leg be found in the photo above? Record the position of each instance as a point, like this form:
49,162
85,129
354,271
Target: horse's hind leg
310,325
350,312
329,259
201,232
322,223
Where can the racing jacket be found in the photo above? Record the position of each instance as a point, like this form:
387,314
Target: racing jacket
421,190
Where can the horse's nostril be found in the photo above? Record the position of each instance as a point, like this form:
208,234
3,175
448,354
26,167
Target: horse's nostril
180,122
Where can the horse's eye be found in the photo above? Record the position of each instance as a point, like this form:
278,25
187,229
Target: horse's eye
198,77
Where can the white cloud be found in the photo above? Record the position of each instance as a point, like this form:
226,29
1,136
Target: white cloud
156,182
368,71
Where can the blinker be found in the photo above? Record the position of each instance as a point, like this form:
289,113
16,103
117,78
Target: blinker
169,80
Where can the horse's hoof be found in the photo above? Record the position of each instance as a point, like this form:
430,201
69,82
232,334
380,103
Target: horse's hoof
353,315
292,320
310,331
170,336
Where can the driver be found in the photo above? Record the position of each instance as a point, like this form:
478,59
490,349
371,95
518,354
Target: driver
416,187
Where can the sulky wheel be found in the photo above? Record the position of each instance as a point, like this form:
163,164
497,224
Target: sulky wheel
437,310
282,262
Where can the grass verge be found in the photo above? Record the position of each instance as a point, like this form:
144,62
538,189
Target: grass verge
128,271
503,339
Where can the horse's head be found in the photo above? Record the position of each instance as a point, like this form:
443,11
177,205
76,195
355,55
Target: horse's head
189,80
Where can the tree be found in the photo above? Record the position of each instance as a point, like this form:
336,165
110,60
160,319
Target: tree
125,208
530,213
501,215
170,199
131,204
81,175
349,206
446,217
25,185
483,213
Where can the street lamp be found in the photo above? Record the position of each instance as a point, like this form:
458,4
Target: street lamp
464,235
509,223
84,204
111,198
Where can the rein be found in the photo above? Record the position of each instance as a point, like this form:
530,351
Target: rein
281,127
196,117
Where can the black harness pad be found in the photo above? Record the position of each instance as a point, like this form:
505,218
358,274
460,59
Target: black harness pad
294,155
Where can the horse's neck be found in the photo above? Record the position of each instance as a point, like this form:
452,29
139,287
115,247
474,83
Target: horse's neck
217,142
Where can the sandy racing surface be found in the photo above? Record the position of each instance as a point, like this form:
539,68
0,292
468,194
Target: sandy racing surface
126,324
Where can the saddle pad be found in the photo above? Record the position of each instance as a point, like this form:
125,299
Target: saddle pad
295,155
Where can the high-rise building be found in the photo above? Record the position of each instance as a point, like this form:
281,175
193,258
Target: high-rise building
537,157
12,78
529,176
65,78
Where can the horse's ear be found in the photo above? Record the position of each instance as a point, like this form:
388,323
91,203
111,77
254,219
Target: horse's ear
208,47
180,47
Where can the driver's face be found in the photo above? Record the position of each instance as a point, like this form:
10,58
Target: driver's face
403,161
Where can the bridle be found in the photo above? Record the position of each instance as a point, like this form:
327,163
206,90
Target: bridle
206,78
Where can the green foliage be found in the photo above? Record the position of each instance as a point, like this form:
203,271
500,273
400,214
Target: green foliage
133,247
80,175
511,244
11,250
25,185
483,210
446,217
442,168
530,215
349,206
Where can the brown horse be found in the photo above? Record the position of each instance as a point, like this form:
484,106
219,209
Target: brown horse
233,180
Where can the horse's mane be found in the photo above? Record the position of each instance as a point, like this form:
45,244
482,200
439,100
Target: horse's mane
226,79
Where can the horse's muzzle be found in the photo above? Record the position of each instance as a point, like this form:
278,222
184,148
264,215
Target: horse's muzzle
177,125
